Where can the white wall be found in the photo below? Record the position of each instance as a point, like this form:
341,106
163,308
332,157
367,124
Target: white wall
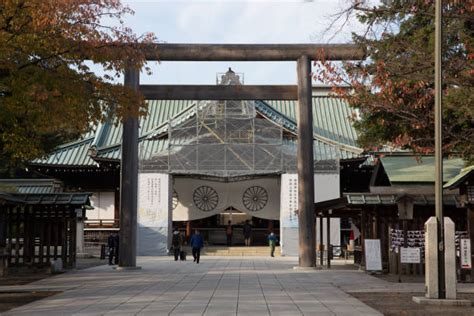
326,187
104,206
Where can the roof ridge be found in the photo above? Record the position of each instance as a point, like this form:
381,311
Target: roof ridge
156,129
76,142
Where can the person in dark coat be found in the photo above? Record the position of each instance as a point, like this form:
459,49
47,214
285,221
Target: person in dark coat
247,230
196,243
117,248
112,242
177,243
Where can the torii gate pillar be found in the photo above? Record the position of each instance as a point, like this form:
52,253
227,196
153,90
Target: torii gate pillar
129,182
306,217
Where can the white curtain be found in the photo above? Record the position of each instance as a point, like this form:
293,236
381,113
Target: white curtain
196,199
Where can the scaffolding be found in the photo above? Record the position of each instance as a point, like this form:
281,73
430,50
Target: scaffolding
227,139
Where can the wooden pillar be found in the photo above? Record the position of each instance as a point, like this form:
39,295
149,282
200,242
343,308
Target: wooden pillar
305,161
116,208
3,240
375,234
41,224
64,231
470,229
57,229
363,235
73,236
10,226
188,230
129,182
328,240
27,236
321,240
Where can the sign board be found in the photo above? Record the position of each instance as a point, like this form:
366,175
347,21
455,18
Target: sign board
373,256
465,253
410,255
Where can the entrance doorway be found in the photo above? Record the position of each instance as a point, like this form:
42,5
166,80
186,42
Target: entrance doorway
213,228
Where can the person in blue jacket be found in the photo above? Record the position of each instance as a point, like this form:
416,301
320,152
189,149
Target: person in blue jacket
196,243
272,240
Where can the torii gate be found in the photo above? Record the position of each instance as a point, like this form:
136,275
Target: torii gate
301,53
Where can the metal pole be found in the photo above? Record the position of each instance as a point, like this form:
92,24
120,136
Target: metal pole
305,161
438,147
129,182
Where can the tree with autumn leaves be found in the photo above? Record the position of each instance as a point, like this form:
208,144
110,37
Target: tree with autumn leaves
393,88
48,93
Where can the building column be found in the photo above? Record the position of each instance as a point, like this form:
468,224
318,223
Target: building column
129,182
80,236
305,165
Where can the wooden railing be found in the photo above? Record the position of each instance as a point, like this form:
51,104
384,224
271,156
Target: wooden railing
102,223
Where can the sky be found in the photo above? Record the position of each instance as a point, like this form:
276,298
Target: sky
234,21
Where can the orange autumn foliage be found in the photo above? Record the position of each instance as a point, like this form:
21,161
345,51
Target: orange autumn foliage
48,93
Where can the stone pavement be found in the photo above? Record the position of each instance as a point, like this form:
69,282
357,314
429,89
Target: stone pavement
216,286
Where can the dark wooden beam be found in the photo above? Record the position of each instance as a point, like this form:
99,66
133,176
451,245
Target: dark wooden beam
333,204
305,162
470,230
129,182
328,241
321,240
251,52
219,92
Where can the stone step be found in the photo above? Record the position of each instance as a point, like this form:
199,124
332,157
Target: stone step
239,251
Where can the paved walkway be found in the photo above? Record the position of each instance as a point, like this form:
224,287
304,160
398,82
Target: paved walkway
216,286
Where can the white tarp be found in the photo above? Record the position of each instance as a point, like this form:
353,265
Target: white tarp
326,187
154,214
196,198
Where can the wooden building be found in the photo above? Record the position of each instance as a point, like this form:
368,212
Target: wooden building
397,203
36,228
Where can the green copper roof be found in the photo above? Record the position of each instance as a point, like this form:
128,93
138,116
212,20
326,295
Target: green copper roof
331,118
333,131
31,186
459,178
68,155
408,169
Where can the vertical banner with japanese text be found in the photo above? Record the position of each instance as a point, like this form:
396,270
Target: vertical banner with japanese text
154,214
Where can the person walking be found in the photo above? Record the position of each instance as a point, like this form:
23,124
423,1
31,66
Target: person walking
272,240
196,243
117,248
228,232
177,243
247,230
112,244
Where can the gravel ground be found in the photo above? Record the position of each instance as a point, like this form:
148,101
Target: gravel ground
9,300
402,304
12,299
